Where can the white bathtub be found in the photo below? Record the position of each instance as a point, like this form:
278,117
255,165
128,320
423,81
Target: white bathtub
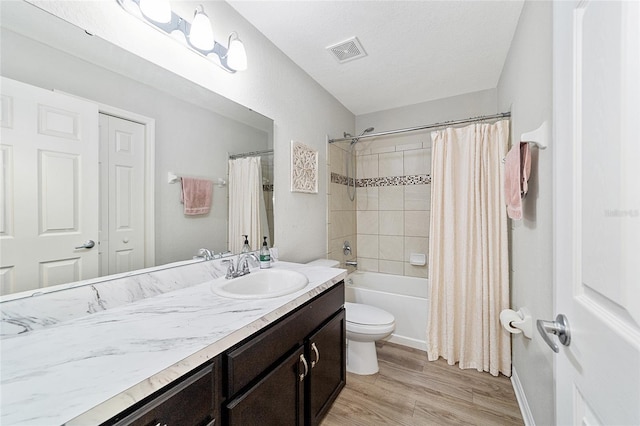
406,298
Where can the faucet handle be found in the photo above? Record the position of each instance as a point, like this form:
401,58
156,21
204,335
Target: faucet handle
245,266
230,269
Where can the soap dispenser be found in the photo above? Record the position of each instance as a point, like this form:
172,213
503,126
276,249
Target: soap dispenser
265,256
246,248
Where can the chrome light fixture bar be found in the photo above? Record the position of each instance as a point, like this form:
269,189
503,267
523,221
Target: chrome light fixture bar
197,34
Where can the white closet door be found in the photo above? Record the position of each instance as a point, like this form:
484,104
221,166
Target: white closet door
597,210
49,188
122,211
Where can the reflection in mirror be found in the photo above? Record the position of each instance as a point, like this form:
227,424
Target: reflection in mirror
250,199
186,129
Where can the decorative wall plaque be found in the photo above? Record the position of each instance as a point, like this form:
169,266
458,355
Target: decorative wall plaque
304,168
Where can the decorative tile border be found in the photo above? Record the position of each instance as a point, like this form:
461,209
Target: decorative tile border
383,181
340,179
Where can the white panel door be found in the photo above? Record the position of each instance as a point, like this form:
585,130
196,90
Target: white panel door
49,188
122,162
597,210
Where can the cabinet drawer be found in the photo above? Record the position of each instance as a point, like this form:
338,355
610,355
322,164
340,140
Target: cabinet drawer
246,362
190,402
277,399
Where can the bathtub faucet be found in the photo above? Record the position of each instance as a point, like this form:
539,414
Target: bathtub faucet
353,263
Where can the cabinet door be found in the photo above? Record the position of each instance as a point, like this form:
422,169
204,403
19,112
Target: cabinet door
327,355
275,400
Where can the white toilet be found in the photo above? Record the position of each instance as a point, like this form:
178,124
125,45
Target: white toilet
365,325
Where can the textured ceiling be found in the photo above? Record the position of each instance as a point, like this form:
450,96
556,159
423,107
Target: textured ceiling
416,50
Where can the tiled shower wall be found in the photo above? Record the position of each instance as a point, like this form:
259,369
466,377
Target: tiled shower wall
341,225
393,206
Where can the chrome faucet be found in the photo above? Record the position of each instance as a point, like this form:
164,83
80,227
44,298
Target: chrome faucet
242,265
205,254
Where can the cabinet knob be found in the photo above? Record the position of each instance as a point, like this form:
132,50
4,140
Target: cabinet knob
317,355
306,367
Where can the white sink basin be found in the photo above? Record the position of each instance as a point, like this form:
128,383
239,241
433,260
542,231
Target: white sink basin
261,284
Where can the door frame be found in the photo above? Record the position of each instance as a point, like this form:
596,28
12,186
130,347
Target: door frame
149,175
149,170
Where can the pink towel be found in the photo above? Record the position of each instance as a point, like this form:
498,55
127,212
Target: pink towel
517,168
525,168
196,195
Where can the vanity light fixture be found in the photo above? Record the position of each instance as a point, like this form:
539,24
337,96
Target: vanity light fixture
197,35
201,33
236,55
156,10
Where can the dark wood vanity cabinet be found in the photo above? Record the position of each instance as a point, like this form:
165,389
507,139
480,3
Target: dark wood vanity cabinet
290,373
193,400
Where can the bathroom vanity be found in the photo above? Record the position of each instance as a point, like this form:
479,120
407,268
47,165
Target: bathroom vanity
186,356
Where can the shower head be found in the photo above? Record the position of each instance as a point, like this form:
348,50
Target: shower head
367,130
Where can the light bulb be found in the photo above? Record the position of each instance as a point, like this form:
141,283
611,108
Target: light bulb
156,10
201,34
236,55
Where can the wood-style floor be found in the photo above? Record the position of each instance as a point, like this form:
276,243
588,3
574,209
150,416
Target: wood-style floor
409,390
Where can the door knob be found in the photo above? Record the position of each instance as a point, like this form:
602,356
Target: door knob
559,327
87,245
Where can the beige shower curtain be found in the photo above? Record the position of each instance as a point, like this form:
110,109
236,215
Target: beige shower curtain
247,213
468,248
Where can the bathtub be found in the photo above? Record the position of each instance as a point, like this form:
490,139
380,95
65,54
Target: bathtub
406,298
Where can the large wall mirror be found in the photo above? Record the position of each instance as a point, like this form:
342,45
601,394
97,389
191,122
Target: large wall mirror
195,131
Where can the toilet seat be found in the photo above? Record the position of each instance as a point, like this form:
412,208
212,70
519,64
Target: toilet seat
367,316
379,329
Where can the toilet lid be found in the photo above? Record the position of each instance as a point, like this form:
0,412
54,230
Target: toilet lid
368,315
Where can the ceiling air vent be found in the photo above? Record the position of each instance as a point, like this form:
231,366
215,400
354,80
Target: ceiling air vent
347,50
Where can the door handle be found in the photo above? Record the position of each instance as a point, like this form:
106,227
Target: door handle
87,245
317,355
301,376
559,327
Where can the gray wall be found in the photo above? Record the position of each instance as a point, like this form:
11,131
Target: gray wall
525,87
453,108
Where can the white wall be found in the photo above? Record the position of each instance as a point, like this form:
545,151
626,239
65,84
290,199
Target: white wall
273,85
525,87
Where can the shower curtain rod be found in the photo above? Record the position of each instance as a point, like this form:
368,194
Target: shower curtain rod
427,126
250,154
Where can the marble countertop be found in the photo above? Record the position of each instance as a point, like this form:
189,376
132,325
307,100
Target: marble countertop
86,370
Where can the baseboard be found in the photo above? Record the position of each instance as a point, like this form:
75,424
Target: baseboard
522,399
407,341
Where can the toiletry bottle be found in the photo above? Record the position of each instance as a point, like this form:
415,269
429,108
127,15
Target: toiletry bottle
246,248
265,256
